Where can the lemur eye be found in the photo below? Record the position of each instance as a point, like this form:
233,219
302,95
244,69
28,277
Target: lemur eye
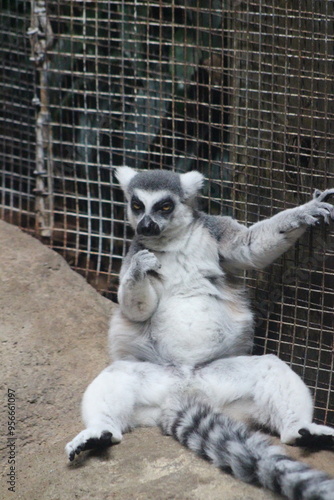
136,206
167,207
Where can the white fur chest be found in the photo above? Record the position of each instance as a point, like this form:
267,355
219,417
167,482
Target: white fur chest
192,266
198,316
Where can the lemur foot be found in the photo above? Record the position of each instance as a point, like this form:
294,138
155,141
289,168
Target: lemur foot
309,435
320,441
89,440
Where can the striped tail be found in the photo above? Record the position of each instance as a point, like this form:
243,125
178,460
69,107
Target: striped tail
248,455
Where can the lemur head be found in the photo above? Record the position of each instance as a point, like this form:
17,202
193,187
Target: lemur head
159,201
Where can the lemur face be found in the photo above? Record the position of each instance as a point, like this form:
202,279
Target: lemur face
159,201
150,212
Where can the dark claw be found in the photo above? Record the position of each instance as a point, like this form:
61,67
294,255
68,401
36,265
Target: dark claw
308,440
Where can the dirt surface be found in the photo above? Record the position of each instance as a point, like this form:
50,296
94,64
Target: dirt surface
53,329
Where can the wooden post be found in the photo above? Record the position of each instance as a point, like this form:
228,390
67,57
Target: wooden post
41,38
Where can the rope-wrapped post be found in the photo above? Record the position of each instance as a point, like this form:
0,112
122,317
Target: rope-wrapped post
41,38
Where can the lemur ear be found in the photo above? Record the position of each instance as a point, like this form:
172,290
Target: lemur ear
191,183
124,176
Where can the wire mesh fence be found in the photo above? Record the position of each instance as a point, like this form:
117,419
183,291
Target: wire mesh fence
241,90
17,120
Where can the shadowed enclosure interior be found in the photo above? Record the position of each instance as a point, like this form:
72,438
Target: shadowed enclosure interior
240,90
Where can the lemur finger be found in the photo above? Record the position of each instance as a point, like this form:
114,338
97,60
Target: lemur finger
142,254
145,261
310,220
325,212
314,215
150,262
323,195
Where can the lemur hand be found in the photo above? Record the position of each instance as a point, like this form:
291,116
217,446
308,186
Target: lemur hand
143,262
312,212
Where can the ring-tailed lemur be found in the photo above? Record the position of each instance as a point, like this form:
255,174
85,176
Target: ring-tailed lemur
182,335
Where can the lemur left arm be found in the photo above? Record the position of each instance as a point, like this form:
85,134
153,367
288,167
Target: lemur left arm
259,245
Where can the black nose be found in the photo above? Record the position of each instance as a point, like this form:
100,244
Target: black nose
147,227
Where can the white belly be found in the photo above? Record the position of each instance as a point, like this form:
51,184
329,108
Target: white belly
195,329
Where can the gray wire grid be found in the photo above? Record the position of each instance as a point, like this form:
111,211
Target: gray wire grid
241,90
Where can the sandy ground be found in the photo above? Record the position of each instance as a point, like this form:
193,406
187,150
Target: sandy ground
53,342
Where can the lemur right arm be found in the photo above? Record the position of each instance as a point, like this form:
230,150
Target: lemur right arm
137,296
258,246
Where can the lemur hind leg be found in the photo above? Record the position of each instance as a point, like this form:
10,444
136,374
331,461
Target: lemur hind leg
263,389
125,395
